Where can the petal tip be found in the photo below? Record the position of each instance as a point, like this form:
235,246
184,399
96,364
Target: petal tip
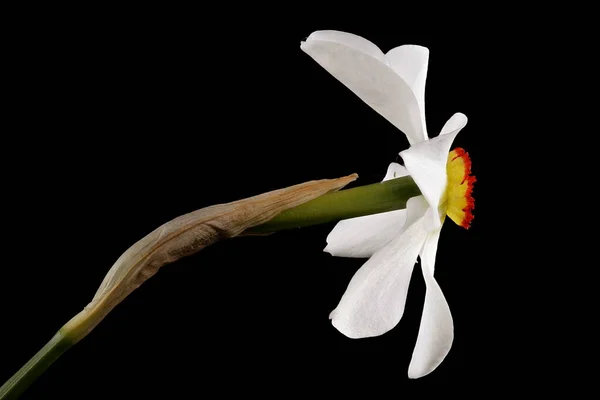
342,329
415,372
414,375
463,117
423,49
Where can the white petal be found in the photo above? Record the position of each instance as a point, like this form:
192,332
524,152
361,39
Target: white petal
395,170
363,236
426,163
455,123
410,62
363,69
437,329
356,42
374,300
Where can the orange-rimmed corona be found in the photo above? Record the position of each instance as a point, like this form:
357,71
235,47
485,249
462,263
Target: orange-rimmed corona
458,200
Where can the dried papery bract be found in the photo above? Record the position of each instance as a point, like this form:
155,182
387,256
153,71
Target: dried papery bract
183,236
186,235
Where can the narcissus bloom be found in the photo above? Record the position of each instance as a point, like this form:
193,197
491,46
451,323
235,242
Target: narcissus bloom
393,84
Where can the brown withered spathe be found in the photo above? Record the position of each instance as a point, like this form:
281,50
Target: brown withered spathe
186,235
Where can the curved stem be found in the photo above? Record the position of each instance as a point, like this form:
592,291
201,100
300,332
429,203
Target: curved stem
364,200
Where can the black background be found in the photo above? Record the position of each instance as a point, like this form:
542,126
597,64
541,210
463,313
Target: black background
131,118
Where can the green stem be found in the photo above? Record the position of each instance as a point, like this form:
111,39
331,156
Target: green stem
363,200
35,366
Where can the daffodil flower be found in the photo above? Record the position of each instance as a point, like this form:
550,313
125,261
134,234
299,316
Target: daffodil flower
393,84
